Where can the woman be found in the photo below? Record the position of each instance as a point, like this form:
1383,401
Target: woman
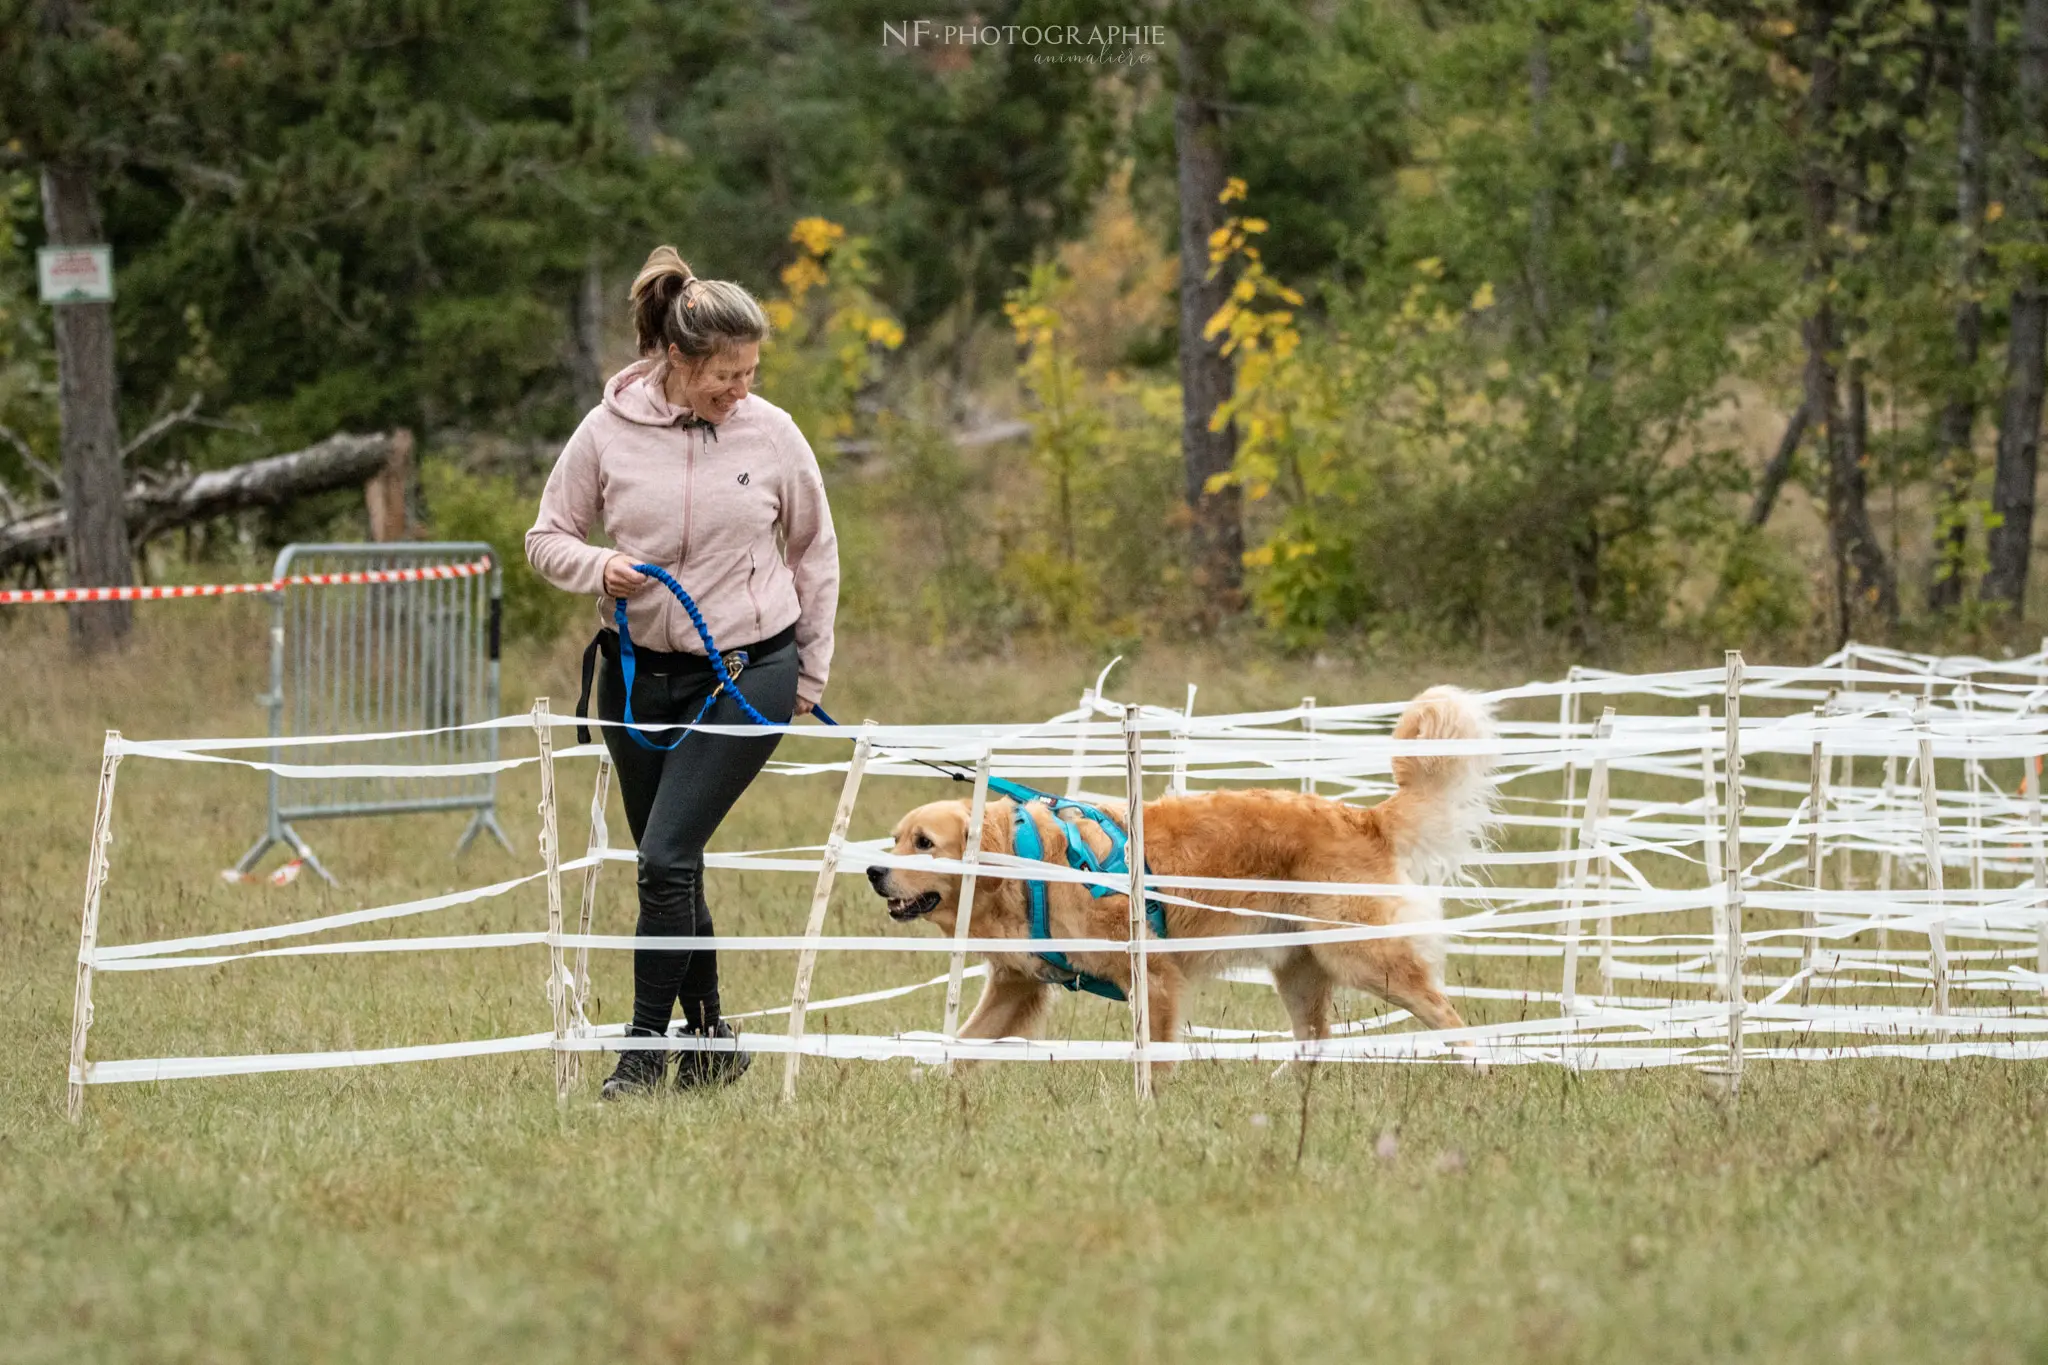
685,468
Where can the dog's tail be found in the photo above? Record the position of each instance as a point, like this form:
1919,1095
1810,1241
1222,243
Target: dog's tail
1443,809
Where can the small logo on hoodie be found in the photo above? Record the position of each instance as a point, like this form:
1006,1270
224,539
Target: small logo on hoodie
744,476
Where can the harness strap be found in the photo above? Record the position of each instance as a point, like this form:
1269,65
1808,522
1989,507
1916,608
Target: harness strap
1037,902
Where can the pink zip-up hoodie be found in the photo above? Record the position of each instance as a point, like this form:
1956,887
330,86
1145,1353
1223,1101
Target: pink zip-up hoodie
739,519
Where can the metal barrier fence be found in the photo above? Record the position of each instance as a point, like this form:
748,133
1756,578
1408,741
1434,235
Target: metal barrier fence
372,657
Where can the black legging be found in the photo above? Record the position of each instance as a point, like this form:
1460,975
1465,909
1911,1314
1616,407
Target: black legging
674,801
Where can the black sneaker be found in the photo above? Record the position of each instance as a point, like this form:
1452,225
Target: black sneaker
639,1073
710,1068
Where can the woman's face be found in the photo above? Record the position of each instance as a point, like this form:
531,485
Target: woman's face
713,388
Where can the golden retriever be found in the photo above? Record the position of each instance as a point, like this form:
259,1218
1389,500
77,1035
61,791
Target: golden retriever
1421,834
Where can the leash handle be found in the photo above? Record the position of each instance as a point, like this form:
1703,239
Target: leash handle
726,680
627,667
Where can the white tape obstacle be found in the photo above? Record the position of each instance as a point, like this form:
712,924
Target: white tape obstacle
1882,813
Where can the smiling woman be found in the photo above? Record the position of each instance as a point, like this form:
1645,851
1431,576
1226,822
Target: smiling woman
689,470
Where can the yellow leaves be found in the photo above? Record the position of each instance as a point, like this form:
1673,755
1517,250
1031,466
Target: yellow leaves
1259,558
1254,224
801,276
817,235
830,330
1431,266
1482,297
1777,28
1498,369
1994,211
1220,323
1233,189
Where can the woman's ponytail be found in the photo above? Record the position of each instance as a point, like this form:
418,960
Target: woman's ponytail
672,307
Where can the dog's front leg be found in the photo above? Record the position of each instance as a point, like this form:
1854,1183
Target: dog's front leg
1011,1006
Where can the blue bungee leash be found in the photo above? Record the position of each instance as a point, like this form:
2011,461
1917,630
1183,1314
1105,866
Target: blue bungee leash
1028,843
727,681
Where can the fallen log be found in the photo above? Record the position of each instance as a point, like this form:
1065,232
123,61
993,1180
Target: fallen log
154,505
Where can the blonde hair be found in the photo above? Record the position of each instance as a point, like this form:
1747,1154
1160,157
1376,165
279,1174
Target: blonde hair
700,318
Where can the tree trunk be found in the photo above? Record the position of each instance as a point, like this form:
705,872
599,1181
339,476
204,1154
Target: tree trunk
96,548
154,506
1957,463
1780,468
1852,540
1205,373
2019,427
586,316
586,303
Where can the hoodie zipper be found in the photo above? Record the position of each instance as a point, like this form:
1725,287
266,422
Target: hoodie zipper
689,499
753,596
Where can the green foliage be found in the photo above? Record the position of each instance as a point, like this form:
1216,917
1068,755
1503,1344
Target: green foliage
1761,593
830,332
461,505
1105,455
1517,258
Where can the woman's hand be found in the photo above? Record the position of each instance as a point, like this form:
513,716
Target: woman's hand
621,579
803,708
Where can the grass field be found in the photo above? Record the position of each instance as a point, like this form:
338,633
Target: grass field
451,1211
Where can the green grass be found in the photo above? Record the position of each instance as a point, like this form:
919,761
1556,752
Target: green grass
1852,1211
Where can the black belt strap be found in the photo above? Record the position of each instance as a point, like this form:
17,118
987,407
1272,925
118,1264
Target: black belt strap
583,701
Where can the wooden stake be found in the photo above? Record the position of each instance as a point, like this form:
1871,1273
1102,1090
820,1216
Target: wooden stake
1179,785
964,919
1884,859
1731,861
1134,851
89,924
2033,781
1816,850
1568,730
2040,865
559,986
586,914
1930,831
1973,779
1710,852
1596,812
1308,725
1087,708
821,896
1845,783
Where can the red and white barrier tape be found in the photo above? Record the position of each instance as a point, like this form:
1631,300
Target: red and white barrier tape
24,596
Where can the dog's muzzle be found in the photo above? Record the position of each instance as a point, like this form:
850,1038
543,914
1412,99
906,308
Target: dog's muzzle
902,907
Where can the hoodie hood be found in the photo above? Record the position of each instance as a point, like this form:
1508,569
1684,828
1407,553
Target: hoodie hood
634,394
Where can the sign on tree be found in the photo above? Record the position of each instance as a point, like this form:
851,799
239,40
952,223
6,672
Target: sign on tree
76,274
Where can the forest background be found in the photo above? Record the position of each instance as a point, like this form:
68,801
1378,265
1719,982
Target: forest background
1564,325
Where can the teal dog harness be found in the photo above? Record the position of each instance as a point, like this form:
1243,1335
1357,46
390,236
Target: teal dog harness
1079,856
